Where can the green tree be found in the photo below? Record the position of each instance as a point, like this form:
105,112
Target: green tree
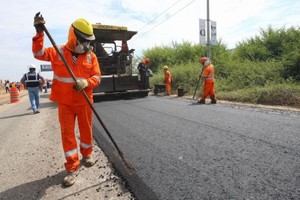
270,44
175,54
291,65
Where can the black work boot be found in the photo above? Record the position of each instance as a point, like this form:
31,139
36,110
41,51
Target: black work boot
201,101
213,100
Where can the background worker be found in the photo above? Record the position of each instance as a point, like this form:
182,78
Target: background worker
32,81
209,81
67,94
144,79
7,87
168,80
124,47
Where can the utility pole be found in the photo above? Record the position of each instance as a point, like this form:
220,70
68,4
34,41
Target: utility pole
208,31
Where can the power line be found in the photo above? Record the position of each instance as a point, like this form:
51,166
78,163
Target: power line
164,20
160,15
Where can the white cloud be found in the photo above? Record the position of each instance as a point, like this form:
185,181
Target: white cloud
236,20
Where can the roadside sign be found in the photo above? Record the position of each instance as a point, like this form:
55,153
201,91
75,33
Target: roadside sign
46,68
213,27
203,31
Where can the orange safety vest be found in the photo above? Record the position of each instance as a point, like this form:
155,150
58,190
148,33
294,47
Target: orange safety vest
86,67
209,73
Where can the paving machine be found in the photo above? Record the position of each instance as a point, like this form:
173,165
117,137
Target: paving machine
115,60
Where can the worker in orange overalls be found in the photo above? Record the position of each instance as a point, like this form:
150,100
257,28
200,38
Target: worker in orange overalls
168,80
67,94
209,81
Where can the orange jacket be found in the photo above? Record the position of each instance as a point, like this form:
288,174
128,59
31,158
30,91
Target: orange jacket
168,77
86,67
208,73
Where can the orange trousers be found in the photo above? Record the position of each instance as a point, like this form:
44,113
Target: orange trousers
208,90
67,115
168,88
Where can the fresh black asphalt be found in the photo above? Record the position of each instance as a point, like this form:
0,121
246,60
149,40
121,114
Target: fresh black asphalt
182,150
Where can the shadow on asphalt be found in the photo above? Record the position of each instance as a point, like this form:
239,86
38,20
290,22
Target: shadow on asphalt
32,190
13,116
113,97
44,95
195,103
48,105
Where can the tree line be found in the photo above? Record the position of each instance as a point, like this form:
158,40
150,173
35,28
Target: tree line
259,69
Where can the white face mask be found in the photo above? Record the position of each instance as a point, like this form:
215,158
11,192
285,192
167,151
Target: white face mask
207,62
82,47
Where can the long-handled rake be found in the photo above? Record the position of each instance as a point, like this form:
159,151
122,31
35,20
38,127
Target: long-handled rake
198,83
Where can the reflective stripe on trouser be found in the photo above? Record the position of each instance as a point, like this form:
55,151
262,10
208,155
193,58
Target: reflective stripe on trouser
67,115
208,89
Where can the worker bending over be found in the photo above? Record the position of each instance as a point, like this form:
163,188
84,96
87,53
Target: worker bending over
209,81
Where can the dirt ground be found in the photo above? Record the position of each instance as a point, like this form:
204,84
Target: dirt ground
32,160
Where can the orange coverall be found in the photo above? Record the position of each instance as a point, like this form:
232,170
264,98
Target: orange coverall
209,81
168,81
71,104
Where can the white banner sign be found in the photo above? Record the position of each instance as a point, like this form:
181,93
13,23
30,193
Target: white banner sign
202,31
213,28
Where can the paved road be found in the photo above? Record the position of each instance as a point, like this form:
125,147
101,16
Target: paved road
182,150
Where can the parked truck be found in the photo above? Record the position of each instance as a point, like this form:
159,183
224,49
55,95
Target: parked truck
116,63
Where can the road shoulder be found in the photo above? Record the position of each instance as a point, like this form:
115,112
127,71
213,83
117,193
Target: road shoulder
32,159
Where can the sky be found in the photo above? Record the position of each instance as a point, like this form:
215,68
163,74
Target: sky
158,22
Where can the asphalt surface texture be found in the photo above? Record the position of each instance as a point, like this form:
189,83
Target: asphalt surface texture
32,158
184,150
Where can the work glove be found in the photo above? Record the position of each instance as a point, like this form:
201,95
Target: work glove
80,85
39,22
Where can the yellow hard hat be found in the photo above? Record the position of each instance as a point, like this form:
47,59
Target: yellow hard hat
166,67
84,29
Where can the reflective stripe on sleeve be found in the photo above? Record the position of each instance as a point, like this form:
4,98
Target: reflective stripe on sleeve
39,53
64,80
97,77
70,80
